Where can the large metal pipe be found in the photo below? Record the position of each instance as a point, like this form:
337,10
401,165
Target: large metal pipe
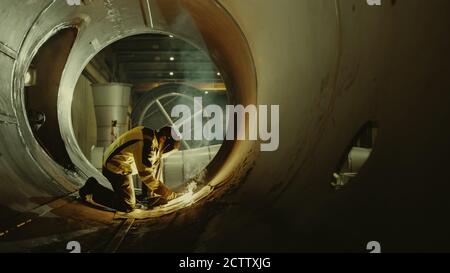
331,65
42,20
111,102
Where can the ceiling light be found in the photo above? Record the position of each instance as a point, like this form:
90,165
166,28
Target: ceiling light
171,73
172,59
218,73
206,92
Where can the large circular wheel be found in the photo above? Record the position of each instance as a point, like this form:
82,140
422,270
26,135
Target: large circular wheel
153,110
154,107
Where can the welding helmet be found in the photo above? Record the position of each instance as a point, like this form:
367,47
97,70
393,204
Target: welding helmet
172,140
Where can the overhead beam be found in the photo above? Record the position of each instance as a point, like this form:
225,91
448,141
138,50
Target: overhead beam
171,79
145,46
174,65
181,71
210,86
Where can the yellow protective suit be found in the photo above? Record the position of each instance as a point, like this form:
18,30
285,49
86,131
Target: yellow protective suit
137,151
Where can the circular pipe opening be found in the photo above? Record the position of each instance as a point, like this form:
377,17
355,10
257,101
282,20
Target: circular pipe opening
42,82
356,155
205,24
31,73
141,61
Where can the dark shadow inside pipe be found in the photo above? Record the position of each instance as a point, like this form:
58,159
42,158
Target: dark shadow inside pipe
41,96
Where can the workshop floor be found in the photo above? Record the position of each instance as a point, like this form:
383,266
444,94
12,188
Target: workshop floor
68,219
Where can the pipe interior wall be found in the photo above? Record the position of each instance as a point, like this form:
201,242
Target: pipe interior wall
342,64
83,116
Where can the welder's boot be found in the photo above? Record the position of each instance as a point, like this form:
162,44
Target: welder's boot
88,188
94,193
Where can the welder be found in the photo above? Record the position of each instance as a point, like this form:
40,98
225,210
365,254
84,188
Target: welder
138,151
